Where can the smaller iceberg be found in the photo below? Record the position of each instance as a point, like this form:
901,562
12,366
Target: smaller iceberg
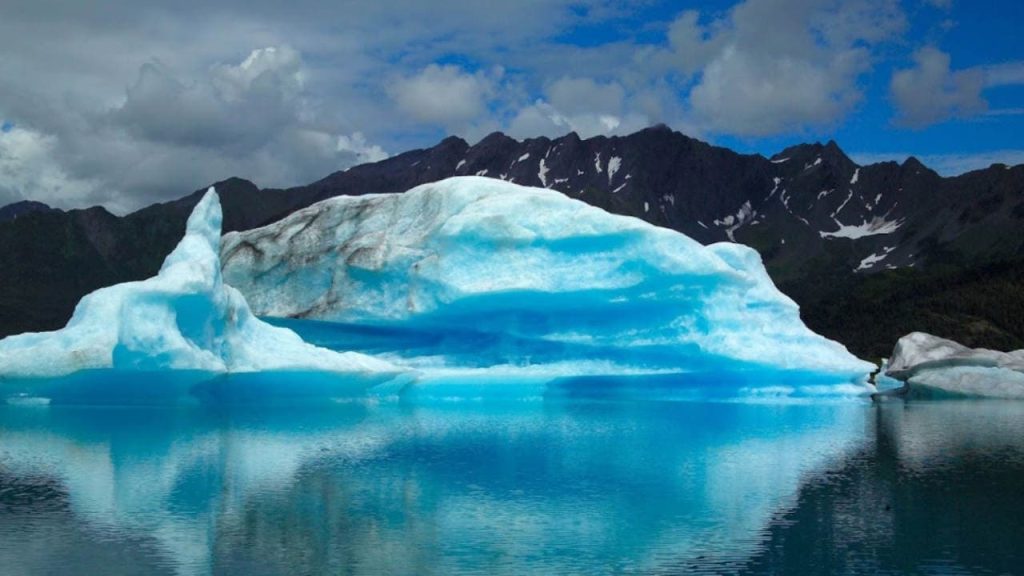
935,366
185,320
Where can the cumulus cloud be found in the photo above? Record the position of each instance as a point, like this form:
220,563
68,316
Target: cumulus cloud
775,66
581,105
26,165
171,133
156,102
357,145
543,119
234,107
930,91
274,69
138,103
444,95
693,45
586,96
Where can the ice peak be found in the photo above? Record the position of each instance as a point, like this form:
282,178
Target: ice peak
200,247
184,318
206,218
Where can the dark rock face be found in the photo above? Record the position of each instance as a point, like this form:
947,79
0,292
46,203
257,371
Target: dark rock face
12,211
822,223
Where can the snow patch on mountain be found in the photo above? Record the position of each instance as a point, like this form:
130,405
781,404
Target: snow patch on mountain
870,261
843,205
873,227
613,166
733,222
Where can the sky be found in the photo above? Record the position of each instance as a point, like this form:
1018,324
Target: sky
127,102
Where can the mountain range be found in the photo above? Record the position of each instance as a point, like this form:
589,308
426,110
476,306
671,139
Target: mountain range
869,252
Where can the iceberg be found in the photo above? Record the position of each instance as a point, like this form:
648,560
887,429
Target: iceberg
500,275
183,319
936,366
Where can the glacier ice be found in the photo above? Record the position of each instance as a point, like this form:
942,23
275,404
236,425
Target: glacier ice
184,319
885,383
933,365
518,277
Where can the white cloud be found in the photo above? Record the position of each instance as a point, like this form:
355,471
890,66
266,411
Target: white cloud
586,96
203,105
775,66
693,45
170,134
1006,74
278,68
444,95
931,92
581,105
543,119
27,169
238,108
331,84
363,150
742,93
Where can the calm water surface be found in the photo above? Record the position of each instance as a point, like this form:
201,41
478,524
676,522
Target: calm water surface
548,487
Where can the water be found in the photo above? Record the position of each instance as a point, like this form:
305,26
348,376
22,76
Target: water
557,486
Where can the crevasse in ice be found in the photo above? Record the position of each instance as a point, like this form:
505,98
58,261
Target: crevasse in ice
184,318
525,276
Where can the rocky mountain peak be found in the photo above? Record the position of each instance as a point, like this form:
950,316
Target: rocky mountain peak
12,211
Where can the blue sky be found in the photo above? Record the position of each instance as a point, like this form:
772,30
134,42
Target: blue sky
128,102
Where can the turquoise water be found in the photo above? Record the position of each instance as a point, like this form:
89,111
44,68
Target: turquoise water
556,486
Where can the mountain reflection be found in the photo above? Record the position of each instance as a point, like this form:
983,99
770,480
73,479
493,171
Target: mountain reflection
936,490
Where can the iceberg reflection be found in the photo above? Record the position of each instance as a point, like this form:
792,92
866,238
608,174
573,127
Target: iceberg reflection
554,486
